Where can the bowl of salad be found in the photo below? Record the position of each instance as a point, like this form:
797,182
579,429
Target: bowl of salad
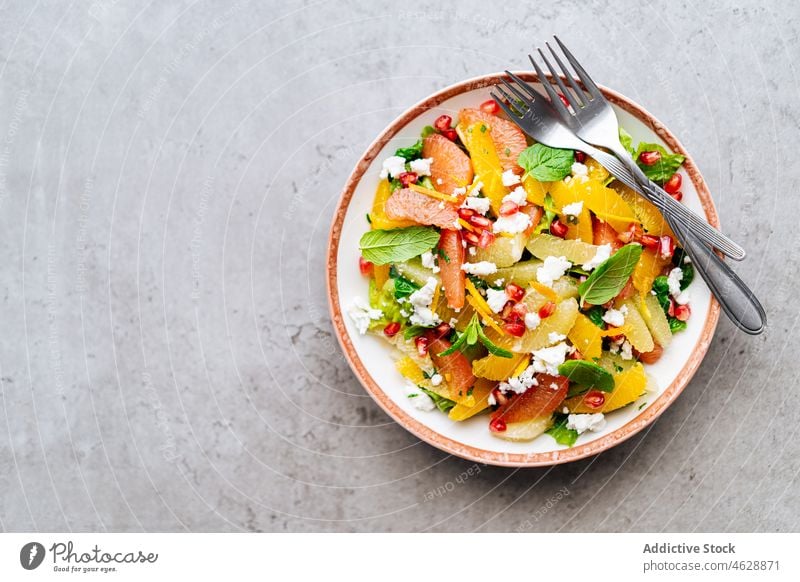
512,303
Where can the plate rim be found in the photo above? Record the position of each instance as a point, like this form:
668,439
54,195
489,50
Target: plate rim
426,433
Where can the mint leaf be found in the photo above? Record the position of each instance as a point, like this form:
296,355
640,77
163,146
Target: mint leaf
595,315
587,376
427,130
493,349
403,287
397,245
546,164
627,141
410,153
470,337
442,403
676,325
560,432
608,279
664,168
413,331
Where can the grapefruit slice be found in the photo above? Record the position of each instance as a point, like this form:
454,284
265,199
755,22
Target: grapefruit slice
537,401
451,167
455,368
509,141
450,261
406,204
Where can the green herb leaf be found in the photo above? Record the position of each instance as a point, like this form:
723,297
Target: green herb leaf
610,276
661,288
493,349
664,168
410,153
403,287
550,213
688,273
676,325
560,432
413,331
471,335
441,402
626,140
427,130
595,315
396,245
586,375
443,255
546,164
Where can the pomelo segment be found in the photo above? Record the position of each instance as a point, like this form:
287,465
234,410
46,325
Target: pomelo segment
450,164
406,204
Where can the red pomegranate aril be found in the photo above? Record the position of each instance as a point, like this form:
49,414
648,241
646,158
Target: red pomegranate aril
650,242
497,425
682,312
443,122
422,346
650,158
480,221
634,233
515,292
594,399
499,397
520,310
391,329
407,178
442,330
486,239
547,310
450,134
472,238
672,185
466,213
580,157
563,100
677,196
364,266
507,313
666,246
490,106
575,355
508,208
515,328
671,308
558,228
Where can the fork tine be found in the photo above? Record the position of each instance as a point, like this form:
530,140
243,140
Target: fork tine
568,75
533,94
511,110
573,100
590,85
554,100
525,99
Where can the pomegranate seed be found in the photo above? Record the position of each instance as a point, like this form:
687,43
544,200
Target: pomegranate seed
515,292
466,213
594,399
480,221
407,178
547,309
576,355
490,106
443,123
442,330
422,346
558,228
450,134
507,314
667,246
671,309
508,208
650,242
499,397
391,329
486,239
364,266
673,185
516,328
634,233
677,196
682,312
520,310
563,100
472,238
497,425
650,158
580,157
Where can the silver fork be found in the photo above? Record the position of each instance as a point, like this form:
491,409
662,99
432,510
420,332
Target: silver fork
536,117
593,120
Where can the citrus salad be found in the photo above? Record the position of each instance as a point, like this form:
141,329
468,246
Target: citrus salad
520,281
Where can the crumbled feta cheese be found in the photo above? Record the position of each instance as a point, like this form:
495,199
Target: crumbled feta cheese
547,360
439,181
459,191
565,410
516,223
436,379
518,196
532,320
579,169
603,252
552,269
626,350
555,337
496,299
498,282
509,178
615,317
686,260
573,209
674,281
481,268
473,251
418,398
583,422
429,261
683,297
453,321
393,166
491,399
361,314
479,205
457,225
421,300
421,167
520,383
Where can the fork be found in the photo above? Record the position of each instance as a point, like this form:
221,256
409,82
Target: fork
537,118
593,120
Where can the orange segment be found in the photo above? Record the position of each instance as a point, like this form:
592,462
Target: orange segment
497,368
652,220
485,161
509,140
628,386
450,164
377,216
480,395
647,269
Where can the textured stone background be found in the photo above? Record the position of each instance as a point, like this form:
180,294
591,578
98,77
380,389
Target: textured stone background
168,174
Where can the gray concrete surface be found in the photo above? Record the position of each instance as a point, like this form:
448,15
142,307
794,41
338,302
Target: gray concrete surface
168,173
